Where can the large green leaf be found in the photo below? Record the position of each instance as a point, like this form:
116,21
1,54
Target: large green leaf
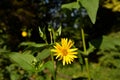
110,42
71,5
106,43
91,6
24,60
44,54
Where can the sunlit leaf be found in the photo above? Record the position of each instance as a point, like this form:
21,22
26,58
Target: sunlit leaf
91,6
59,31
41,33
71,5
43,54
24,60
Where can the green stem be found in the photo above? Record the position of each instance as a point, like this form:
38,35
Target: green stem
87,68
83,39
52,57
85,52
51,37
54,75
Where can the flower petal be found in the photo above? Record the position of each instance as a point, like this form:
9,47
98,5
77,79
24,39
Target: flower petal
70,44
74,49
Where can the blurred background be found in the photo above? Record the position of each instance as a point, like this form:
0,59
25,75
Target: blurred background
20,21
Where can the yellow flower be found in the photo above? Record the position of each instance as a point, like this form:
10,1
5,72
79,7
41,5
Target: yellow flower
24,34
64,51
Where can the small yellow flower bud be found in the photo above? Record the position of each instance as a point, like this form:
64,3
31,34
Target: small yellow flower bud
24,34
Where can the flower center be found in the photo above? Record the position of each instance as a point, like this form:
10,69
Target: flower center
64,51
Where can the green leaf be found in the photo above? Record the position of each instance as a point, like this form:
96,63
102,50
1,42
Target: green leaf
32,44
58,32
44,54
90,49
91,6
41,33
24,60
4,51
14,76
41,67
71,5
80,57
49,65
106,43
110,42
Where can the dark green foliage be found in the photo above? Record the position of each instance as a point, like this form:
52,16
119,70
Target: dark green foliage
29,58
